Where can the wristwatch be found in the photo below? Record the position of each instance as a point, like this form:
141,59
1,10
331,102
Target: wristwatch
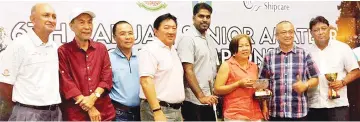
157,109
97,94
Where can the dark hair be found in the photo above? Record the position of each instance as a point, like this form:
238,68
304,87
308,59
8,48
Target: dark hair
316,20
234,44
118,23
163,17
199,6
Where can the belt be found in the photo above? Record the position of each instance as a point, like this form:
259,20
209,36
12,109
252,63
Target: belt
48,107
166,104
123,107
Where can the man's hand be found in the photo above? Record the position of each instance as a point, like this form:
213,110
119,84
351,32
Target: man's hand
209,100
336,85
94,115
299,87
159,116
88,102
79,99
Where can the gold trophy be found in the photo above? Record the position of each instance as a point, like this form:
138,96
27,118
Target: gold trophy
262,92
331,77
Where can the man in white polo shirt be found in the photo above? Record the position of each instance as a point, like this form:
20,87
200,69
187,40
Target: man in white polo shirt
161,74
331,56
32,67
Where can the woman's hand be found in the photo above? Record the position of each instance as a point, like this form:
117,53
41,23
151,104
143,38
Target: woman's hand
246,83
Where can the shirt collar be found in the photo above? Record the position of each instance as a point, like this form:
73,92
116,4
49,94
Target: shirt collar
37,41
196,33
121,54
75,45
233,61
330,43
161,44
293,50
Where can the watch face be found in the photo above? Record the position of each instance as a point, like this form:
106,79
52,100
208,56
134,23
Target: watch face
97,94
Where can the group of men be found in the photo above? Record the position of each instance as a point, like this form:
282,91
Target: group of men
81,81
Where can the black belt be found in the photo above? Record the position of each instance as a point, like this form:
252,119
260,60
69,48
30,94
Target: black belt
123,107
166,104
48,107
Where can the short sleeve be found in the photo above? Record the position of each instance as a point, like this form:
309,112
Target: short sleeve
349,59
147,63
10,64
185,50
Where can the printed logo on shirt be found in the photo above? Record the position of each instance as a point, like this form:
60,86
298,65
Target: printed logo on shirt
152,5
6,73
2,39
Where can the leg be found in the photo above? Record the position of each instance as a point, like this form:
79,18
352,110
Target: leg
136,113
122,115
190,111
317,114
207,113
339,114
172,114
145,111
56,115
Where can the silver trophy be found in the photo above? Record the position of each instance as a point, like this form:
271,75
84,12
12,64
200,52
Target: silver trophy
262,92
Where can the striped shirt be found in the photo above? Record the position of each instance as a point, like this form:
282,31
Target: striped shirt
282,68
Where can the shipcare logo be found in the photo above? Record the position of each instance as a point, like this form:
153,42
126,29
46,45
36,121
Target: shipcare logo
152,5
269,6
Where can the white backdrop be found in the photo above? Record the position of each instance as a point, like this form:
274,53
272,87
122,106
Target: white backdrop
256,18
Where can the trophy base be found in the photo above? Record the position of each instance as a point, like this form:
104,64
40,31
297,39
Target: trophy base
334,97
261,95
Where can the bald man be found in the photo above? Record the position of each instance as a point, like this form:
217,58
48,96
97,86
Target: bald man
32,69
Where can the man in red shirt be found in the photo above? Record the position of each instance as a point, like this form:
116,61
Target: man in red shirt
85,73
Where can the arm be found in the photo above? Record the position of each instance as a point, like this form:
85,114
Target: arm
147,70
221,78
68,88
11,60
352,68
265,110
312,74
104,85
148,87
106,75
194,85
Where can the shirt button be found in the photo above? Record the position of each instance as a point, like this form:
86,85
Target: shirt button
90,90
89,78
87,56
88,67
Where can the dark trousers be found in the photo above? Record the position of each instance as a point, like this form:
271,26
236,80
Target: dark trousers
124,113
288,119
193,112
329,114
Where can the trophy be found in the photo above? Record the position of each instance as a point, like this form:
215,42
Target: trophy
331,77
262,92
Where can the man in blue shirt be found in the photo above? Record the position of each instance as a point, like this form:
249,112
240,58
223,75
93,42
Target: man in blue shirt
125,92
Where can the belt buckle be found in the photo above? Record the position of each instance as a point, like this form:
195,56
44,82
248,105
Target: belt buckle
52,107
168,105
